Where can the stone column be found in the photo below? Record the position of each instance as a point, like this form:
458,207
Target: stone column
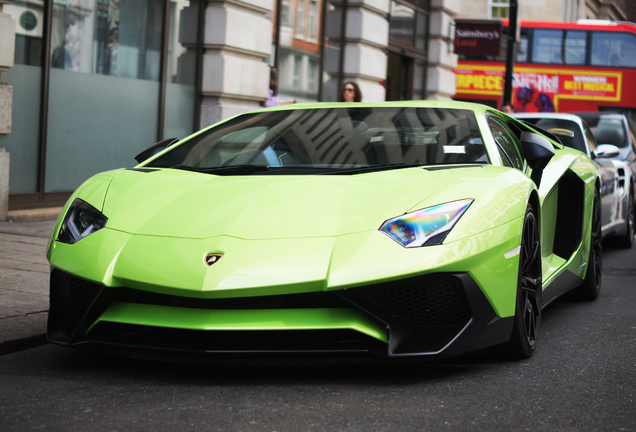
365,48
441,81
237,45
7,52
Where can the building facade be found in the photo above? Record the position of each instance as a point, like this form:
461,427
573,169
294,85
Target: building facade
546,10
94,82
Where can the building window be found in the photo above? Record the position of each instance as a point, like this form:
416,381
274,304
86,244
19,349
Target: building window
286,13
401,25
313,20
300,19
297,73
498,8
312,76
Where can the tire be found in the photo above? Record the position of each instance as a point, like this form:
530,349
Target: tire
591,287
523,340
627,239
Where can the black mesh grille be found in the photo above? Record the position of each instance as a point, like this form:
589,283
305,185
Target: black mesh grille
72,296
427,301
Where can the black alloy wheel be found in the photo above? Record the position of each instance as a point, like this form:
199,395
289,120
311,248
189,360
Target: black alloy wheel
527,318
591,286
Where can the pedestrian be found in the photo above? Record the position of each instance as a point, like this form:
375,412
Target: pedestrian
508,108
350,92
272,99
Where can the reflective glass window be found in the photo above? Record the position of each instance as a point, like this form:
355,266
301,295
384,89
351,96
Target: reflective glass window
613,49
506,143
499,8
575,46
401,24
104,89
181,69
107,37
25,77
333,51
590,137
299,53
286,13
419,69
522,49
313,19
331,141
421,25
300,18
547,46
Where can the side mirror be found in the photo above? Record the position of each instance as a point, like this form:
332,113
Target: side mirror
538,151
606,151
154,149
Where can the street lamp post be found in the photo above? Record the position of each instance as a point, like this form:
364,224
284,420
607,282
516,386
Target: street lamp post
510,53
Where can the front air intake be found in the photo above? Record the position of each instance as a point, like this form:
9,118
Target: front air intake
432,301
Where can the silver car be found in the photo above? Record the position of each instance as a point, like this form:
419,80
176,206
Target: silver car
614,128
617,189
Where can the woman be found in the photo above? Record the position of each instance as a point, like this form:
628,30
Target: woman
350,92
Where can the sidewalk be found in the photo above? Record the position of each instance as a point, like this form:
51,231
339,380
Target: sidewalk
24,278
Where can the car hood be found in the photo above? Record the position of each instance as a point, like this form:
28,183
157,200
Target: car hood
175,203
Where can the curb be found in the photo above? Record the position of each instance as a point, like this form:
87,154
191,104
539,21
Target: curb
22,332
32,215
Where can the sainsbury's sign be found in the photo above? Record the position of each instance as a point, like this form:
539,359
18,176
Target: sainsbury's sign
478,38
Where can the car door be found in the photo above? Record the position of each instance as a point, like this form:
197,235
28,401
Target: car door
609,182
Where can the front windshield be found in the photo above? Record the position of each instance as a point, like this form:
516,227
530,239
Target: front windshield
332,140
608,129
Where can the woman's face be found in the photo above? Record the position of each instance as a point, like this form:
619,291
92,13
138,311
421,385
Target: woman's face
349,93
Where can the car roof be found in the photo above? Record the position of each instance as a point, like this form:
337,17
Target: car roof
557,116
599,114
444,104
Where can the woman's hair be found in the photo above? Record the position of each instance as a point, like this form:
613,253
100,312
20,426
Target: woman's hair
273,81
356,91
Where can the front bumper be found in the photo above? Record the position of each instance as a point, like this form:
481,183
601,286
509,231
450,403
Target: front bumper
425,317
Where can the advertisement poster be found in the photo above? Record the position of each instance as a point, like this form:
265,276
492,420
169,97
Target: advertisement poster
539,90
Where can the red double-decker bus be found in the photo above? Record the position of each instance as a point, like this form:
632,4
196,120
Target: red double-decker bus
589,65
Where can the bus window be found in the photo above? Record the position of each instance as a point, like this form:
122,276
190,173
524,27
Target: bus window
522,49
575,43
547,46
613,49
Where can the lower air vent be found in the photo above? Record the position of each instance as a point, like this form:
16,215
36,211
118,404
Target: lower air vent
72,296
432,301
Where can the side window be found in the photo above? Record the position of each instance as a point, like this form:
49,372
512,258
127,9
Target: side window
506,143
522,48
575,43
547,46
632,131
590,137
504,158
613,49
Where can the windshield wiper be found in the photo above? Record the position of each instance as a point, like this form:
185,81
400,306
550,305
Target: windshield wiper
248,169
374,168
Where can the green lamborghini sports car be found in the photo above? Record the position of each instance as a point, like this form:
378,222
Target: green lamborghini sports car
418,229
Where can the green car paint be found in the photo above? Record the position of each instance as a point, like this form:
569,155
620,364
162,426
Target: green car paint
203,319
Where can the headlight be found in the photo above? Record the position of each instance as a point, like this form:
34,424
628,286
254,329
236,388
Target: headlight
81,220
426,227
